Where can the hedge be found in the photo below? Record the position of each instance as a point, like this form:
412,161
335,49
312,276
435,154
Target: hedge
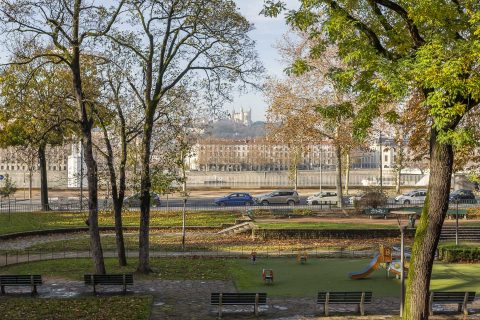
459,254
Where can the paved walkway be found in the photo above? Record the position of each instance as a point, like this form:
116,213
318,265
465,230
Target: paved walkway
190,299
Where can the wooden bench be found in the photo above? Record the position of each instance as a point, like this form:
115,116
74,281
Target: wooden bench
377,212
20,280
123,279
357,298
459,298
251,299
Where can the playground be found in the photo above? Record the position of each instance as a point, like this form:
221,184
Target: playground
293,279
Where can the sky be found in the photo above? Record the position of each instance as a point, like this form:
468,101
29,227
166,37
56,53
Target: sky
267,33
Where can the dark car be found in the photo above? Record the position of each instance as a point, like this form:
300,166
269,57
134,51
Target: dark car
462,195
134,201
235,199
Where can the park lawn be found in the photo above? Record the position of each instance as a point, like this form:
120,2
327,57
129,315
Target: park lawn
321,225
292,279
171,268
31,221
94,308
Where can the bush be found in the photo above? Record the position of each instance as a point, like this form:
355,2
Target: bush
372,198
459,254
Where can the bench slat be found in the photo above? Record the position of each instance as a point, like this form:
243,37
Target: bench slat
238,298
344,297
452,297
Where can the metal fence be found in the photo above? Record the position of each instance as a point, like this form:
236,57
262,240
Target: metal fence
27,256
208,205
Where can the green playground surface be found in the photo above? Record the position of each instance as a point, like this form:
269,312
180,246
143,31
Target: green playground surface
292,279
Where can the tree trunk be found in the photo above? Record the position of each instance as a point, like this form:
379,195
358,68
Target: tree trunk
118,193
42,159
347,172
86,123
429,229
145,184
92,178
338,182
398,177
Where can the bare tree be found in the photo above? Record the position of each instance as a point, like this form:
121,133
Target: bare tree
175,43
64,32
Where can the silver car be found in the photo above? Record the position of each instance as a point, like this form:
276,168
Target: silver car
323,198
412,197
288,197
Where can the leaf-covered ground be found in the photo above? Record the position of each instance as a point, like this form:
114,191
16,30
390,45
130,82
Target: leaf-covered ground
171,268
29,221
95,308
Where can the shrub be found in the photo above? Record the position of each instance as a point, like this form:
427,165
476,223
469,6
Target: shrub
459,253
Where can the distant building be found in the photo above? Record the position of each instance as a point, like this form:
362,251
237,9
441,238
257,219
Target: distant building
22,166
258,154
243,117
75,162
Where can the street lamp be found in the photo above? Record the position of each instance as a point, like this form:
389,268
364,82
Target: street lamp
320,166
381,160
457,201
402,225
183,221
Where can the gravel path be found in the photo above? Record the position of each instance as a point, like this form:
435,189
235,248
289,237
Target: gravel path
190,299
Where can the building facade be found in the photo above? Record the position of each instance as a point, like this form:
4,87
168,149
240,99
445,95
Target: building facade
262,155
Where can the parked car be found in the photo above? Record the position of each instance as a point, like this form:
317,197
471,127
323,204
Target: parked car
412,197
134,201
323,198
289,197
462,195
235,199
370,199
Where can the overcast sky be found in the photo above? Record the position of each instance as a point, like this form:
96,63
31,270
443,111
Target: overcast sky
268,31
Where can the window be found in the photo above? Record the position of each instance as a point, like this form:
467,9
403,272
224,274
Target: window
386,157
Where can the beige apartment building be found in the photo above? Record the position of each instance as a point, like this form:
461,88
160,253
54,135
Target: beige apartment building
262,155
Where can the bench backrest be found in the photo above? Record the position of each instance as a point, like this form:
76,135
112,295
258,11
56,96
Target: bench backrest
352,297
20,279
238,298
452,297
379,211
108,279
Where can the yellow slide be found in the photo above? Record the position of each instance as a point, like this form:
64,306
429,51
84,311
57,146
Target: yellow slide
372,266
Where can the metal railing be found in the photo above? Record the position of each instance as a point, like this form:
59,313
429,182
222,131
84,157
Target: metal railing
208,205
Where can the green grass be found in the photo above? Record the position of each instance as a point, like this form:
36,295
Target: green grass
163,268
29,221
296,280
322,225
94,308
291,279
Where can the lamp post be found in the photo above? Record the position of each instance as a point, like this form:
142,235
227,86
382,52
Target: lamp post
456,223
320,166
402,225
183,222
381,160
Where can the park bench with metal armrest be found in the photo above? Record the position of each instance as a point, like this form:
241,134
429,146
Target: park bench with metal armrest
353,297
123,279
459,298
20,280
224,299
